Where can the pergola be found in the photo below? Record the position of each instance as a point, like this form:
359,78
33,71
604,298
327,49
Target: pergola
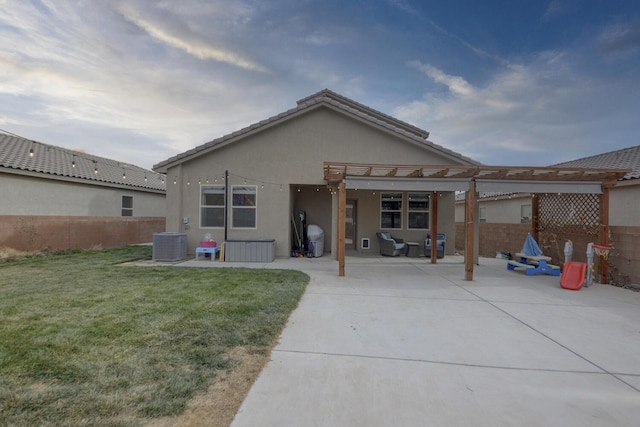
470,179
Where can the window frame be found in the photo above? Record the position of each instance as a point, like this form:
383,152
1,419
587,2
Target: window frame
482,214
426,211
126,210
524,219
234,207
203,206
399,212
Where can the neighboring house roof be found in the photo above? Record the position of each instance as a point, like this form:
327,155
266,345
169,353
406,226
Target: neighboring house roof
56,162
626,158
332,100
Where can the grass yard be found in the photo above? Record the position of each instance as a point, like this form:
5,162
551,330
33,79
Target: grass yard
85,340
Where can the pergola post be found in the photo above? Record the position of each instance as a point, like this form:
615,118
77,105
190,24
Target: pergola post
433,211
469,230
342,217
603,232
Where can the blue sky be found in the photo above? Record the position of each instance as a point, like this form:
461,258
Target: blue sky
505,82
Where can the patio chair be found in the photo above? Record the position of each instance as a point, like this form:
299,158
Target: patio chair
440,242
389,245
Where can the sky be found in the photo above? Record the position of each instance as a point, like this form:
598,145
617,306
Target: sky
505,82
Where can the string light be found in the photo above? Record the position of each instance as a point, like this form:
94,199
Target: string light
80,162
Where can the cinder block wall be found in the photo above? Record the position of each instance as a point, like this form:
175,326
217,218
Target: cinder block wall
624,260
32,233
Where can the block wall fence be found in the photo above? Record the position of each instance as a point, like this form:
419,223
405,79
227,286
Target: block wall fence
624,259
34,233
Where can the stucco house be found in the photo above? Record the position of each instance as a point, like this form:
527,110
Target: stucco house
273,170
55,198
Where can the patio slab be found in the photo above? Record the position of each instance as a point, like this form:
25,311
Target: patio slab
404,342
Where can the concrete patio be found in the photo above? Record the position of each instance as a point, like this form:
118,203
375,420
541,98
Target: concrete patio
401,342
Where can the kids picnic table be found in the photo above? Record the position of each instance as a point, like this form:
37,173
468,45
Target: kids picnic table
534,264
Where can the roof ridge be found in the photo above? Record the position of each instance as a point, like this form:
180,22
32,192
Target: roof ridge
327,93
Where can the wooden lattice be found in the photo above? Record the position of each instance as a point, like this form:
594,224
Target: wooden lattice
569,213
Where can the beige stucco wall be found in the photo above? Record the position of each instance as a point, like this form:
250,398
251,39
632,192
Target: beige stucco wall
624,205
280,158
505,210
26,195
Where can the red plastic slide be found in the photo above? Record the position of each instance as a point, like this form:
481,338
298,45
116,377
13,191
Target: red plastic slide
573,275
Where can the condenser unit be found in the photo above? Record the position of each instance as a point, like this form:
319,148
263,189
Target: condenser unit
169,247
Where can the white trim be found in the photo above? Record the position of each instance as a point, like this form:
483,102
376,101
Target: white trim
427,211
401,211
255,207
200,206
405,184
514,186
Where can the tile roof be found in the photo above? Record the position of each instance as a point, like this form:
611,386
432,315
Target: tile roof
57,161
339,102
626,158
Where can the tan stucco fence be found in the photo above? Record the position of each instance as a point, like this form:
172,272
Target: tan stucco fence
624,259
33,233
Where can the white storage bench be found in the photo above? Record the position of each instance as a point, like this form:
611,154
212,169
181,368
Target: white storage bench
250,250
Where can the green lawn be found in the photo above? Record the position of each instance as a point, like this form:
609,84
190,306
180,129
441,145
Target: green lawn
87,341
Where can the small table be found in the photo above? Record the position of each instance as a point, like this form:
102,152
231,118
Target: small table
534,264
205,251
413,249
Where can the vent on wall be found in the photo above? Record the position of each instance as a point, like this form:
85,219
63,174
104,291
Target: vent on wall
169,247
365,243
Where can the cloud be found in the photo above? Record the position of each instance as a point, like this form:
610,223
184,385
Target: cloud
403,5
553,9
620,37
178,35
456,84
523,113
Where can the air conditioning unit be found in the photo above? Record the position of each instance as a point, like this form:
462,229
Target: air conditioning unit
169,247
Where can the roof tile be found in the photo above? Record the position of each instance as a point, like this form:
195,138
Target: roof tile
52,160
626,158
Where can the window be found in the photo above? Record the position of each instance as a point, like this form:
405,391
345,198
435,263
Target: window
525,214
483,215
391,210
211,206
127,205
243,213
418,214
